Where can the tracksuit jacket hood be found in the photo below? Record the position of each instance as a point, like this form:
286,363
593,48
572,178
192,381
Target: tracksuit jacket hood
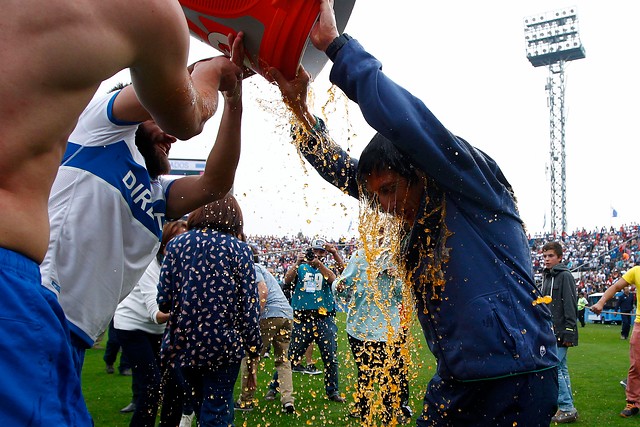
486,323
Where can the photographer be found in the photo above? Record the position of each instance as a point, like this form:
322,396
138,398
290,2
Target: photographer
314,310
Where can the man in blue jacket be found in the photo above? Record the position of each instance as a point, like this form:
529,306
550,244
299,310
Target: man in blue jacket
625,306
464,246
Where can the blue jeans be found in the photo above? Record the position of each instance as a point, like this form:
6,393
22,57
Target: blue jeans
524,400
565,398
213,393
309,327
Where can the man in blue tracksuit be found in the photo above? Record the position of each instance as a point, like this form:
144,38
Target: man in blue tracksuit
624,304
464,248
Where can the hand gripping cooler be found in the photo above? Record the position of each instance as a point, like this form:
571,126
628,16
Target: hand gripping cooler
276,31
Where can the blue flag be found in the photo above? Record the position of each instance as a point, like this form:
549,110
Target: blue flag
614,213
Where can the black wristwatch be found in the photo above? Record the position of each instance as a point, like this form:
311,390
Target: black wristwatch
336,45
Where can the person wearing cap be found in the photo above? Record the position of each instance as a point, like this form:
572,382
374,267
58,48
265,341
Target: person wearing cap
582,304
314,311
464,247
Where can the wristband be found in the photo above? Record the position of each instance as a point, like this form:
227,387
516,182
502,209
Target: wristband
336,45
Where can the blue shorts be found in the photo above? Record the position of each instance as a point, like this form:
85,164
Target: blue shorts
38,382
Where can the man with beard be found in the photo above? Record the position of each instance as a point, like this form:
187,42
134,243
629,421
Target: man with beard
109,202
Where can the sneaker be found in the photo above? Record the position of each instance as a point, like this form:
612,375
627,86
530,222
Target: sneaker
288,408
187,420
271,395
335,397
402,419
355,414
629,411
565,417
406,411
311,370
243,406
126,372
131,407
298,368
109,369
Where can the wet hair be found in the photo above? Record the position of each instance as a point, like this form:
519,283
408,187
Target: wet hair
223,215
553,246
170,230
380,155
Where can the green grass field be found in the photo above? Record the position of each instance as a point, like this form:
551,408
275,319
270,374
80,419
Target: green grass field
596,366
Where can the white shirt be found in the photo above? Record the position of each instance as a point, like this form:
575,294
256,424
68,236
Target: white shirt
137,312
106,218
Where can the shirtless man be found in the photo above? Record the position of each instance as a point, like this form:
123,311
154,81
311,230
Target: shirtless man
53,56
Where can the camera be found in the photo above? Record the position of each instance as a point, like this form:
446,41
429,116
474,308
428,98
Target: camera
309,254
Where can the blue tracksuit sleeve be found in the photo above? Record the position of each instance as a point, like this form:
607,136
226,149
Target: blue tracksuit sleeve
460,169
330,160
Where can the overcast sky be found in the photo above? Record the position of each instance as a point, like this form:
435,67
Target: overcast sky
466,60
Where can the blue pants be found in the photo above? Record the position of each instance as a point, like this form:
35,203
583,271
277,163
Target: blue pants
112,348
38,382
213,393
524,400
372,361
308,328
177,397
144,349
626,325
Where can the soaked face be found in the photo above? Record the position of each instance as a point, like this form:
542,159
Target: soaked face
154,145
395,195
551,259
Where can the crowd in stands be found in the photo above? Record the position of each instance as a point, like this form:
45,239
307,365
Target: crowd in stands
598,256
278,253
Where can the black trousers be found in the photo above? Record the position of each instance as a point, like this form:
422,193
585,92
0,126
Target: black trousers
379,362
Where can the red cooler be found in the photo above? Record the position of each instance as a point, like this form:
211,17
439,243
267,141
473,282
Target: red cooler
276,31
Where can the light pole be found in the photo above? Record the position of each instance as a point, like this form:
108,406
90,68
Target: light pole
552,39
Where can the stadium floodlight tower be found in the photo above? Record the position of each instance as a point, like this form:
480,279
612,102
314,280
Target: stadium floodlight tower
552,39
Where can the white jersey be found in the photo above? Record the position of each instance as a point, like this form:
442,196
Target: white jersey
106,218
